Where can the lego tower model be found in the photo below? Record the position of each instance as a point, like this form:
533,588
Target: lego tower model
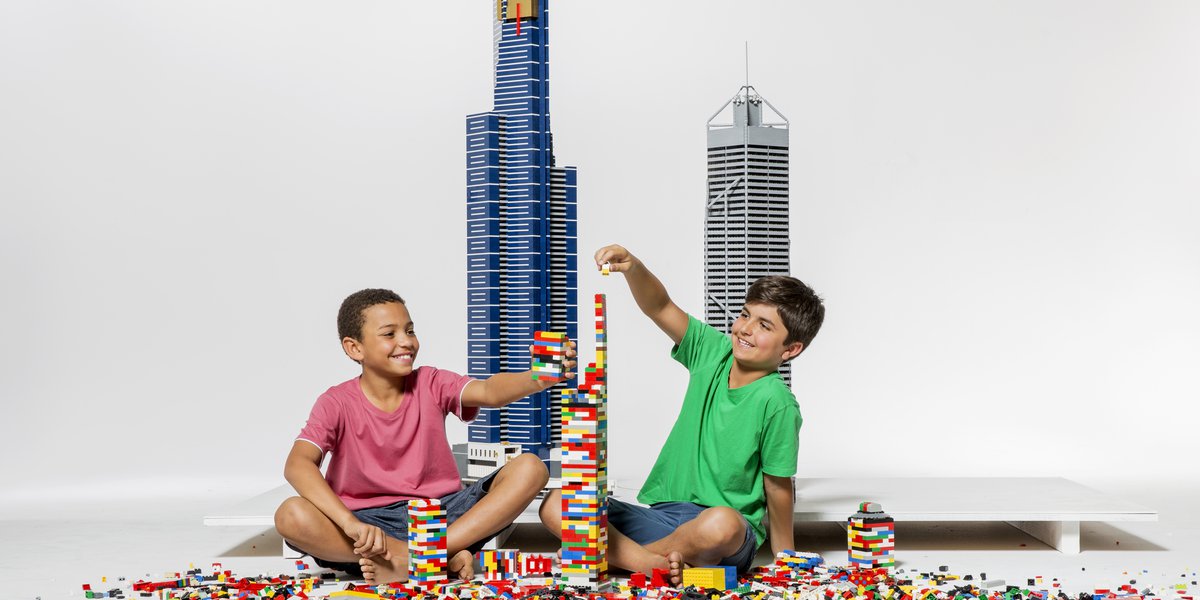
746,214
585,471
521,240
871,536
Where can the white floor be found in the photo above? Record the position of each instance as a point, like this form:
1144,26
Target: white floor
49,550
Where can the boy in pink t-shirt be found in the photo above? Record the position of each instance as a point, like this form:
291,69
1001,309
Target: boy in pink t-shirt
386,432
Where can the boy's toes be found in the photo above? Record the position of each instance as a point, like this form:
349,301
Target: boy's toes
675,565
368,569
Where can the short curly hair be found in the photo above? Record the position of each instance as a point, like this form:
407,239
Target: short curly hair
800,308
350,318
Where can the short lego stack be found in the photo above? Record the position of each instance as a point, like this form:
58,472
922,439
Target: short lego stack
872,537
500,564
549,351
427,541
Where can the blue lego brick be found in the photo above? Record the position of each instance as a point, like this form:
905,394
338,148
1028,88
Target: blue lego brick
483,331
484,227
483,434
488,417
483,279
479,297
482,367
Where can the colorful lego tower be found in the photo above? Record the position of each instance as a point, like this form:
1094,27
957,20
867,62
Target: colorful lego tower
521,239
746,214
427,555
585,471
871,535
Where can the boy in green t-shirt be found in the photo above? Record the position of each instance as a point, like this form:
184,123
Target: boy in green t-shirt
730,458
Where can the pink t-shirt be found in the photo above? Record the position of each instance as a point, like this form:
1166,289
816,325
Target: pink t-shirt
380,458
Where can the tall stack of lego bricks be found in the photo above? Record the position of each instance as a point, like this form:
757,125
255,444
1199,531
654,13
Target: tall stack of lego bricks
427,557
585,471
549,350
872,537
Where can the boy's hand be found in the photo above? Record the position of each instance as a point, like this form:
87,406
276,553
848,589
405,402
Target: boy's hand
369,540
618,258
568,365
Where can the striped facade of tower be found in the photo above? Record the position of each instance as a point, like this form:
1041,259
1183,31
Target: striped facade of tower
521,228
746,214
585,470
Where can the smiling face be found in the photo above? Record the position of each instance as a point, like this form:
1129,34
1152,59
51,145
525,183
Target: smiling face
389,342
758,338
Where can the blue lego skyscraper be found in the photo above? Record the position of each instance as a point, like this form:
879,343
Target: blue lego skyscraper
521,239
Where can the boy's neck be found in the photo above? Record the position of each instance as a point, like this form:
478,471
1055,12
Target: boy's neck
384,392
740,376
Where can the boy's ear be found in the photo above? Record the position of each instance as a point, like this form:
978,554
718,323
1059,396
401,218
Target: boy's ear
352,348
792,350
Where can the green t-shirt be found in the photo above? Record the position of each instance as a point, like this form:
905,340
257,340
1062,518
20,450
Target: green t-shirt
724,440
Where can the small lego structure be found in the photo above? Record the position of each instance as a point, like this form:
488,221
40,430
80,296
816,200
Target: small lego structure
871,535
427,542
606,268
549,351
499,564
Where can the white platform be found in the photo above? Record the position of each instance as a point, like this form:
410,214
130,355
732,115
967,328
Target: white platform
1047,508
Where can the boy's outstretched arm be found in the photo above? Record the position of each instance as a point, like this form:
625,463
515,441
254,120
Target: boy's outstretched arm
648,291
781,507
504,388
303,471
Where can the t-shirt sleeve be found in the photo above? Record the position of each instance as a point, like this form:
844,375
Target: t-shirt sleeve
701,343
781,442
321,429
448,388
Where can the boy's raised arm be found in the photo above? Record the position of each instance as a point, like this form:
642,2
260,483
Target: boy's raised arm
648,291
781,507
504,388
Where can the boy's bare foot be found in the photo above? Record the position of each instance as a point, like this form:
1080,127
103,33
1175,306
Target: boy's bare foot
462,565
377,570
675,566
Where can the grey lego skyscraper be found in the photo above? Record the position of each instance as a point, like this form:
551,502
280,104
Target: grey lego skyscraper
746,213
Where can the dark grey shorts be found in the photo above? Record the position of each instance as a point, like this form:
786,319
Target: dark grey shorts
646,524
393,519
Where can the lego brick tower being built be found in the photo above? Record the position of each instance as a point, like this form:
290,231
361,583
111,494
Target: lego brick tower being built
746,212
521,240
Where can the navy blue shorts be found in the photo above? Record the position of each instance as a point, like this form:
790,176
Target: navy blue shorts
647,524
393,519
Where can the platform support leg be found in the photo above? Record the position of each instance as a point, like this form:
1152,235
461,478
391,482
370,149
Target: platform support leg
1061,535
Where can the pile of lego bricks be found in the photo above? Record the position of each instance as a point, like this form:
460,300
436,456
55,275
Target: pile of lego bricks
793,576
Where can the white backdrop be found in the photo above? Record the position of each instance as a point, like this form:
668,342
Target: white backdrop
998,201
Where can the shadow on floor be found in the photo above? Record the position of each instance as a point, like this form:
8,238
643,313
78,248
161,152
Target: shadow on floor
971,535
264,543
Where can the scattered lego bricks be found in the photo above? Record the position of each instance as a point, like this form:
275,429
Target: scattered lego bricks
871,535
427,541
793,576
549,352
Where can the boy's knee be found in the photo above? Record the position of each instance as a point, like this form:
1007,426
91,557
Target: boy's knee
723,525
530,468
291,515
